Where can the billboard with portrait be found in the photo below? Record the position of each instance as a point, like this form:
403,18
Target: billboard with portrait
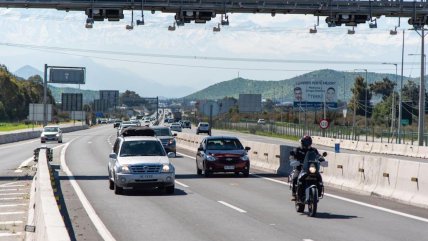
314,93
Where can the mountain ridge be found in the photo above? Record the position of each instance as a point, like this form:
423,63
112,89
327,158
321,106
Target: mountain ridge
281,90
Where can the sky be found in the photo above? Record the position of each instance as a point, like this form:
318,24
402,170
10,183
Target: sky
156,62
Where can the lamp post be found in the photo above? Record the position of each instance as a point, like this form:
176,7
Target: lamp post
419,24
421,117
393,99
365,101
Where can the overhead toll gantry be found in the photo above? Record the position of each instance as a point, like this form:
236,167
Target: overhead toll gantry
336,12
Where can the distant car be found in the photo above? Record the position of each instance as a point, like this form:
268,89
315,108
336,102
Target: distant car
222,154
166,137
147,123
176,127
117,124
203,127
186,124
51,133
123,126
261,122
140,162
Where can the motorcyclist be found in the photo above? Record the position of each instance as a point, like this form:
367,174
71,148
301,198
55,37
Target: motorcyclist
299,154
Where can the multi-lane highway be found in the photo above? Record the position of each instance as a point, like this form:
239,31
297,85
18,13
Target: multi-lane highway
222,207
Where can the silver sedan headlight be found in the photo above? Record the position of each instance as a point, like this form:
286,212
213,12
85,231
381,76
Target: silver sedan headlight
167,168
124,169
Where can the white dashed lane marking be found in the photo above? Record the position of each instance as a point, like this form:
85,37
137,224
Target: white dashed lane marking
342,198
181,184
232,207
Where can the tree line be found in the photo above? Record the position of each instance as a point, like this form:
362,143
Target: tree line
16,94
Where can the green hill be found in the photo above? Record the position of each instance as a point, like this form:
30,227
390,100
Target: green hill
88,95
282,90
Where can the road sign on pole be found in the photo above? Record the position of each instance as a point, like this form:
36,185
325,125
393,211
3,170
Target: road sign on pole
67,75
324,124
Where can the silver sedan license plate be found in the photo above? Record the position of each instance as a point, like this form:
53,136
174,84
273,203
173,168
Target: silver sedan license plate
229,167
146,176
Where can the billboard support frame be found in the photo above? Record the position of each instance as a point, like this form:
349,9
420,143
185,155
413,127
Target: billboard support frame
45,88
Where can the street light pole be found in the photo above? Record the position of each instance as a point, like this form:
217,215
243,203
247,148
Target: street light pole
421,117
422,93
400,94
393,100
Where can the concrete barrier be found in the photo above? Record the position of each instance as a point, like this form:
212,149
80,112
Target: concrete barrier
406,187
353,173
377,147
399,149
403,181
370,173
47,218
387,179
421,196
27,135
364,146
423,152
412,151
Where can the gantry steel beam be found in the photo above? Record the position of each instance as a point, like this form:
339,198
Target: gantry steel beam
395,8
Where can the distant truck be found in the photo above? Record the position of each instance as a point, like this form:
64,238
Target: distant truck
177,116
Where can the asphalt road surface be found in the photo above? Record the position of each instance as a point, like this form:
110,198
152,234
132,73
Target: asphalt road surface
221,207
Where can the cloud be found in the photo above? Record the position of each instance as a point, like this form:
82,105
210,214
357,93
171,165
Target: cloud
248,36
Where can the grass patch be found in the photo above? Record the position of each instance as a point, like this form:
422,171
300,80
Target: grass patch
15,126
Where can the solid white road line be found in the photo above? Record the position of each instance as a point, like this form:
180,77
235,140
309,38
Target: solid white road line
99,225
11,213
343,198
231,206
181,184
10,194
18,185
7,184
307,239
11,198
12,205
10,189
10,222
9,234
356,202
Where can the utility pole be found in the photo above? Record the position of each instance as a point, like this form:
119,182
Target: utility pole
421,119
400,100
393,101
45,97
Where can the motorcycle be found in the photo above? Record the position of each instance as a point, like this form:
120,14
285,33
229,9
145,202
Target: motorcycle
311,180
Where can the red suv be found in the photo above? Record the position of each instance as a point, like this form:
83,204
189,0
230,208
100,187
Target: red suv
222,154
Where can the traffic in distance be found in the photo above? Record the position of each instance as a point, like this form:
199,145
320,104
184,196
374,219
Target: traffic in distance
157,174
141,152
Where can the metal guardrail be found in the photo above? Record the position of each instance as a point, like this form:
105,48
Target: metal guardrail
340,132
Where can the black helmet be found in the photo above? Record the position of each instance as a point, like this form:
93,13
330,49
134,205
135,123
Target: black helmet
306,141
